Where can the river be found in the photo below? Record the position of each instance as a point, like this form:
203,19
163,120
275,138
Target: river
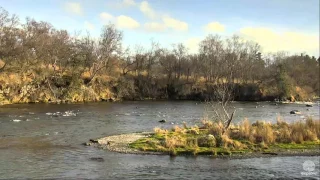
37,144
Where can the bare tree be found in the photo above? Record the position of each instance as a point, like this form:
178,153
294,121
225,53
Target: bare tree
109,46
8,37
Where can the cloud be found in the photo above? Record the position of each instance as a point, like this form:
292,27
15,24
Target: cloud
73,7
88,25
106,17
126,22
122,21
128,3
193,44
214,27
164,22
168,23
273,41
155,27
117,4
146,9
175,24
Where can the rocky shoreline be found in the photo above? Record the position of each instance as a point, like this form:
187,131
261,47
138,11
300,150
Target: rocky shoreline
120,143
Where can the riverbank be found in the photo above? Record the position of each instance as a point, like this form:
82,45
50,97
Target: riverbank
63,88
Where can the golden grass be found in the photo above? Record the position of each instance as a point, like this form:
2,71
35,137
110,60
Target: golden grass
280,132
178,129
244,137
175,141
160,131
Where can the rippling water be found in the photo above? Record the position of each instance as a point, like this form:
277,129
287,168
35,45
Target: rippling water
45,145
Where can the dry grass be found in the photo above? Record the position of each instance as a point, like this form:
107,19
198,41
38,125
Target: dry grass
264,134
178,129
216,129
175,141
160,131
267,133
244,136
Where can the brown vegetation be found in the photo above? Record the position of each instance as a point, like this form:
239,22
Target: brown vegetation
39,63
241,137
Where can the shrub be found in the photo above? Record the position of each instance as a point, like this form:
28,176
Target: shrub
207,141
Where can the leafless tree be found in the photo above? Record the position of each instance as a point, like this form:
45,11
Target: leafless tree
109,47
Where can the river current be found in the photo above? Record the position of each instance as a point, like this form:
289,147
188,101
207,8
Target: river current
41,141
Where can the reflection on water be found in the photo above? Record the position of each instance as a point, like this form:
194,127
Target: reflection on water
48,145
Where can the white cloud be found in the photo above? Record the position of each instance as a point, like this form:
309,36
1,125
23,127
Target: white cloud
122,21
128,3
214,27
166,22
88,25
106,17
273,41
155,27
117,4
193,44
146,9
175,24
73,7
126,22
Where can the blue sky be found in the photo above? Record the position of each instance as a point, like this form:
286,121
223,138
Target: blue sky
290,25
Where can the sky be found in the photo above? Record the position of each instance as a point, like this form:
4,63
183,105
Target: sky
277,25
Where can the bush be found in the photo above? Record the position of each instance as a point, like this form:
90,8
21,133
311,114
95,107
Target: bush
206,141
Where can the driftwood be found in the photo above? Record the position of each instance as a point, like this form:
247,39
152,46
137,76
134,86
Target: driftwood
228,122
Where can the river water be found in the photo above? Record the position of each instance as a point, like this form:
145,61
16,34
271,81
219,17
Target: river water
37,144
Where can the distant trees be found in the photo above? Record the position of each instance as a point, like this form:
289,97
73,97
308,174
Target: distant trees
59,61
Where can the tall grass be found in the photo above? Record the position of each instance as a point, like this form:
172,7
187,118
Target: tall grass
280,132
238,136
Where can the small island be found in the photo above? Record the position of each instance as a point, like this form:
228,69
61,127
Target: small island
241,140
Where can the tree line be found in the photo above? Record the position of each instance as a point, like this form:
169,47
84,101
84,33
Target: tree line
41,63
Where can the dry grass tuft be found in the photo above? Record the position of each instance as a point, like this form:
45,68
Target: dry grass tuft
160,131
244,130
216,129
264,133
175,141
178,129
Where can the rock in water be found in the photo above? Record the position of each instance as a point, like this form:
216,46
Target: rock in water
295,112
98,159
162,121
309,105
93,140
